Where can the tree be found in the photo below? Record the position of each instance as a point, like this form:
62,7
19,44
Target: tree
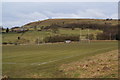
63,22
73,28
103,36
54,28
35,27
7,30
18,38
90,37
42,27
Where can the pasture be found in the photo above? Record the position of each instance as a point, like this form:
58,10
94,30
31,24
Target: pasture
44,61
33,35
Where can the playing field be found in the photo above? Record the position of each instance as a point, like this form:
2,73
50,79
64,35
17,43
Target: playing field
44,60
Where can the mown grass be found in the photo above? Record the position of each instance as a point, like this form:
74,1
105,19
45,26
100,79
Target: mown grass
43,61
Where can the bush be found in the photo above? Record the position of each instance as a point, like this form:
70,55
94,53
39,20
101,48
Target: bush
107,36
103,36
90,36
23,41
4,43
37,41
61,38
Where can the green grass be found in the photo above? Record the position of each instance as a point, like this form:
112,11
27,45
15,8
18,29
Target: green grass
33,35
44,60
10,37
77,31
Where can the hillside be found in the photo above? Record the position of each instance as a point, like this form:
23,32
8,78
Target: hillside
32,36
49,22
39,30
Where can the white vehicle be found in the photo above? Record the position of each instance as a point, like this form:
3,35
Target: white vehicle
68,41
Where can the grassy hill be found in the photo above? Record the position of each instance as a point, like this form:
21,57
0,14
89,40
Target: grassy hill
31,35
67,21
59,60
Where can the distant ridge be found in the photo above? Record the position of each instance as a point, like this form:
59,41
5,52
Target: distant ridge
61,21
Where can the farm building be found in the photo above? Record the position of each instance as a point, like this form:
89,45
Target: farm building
17,29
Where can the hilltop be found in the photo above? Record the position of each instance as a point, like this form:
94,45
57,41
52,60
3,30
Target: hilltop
61,22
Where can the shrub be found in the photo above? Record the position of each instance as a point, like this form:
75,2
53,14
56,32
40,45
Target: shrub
103,36
4,43
61,38
90,36
37,41
23,41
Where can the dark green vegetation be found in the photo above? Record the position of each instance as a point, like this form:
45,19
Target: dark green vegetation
44,60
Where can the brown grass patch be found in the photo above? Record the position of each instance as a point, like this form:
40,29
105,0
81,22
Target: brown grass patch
103,65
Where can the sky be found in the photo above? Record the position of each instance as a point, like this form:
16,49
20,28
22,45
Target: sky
60,0
21,13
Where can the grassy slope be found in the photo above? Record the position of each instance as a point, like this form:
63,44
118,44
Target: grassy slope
66,21
33,35
30,61
12,37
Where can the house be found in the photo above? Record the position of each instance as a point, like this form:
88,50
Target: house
17,29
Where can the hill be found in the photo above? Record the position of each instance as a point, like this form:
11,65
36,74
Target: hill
36,32
32,36
49,22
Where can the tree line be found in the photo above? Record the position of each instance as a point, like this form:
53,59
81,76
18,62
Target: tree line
110,32
61,38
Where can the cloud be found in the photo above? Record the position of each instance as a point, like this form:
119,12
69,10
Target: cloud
12,23
92,13
60,0
32,16
23,18
88,13
115,16
60,15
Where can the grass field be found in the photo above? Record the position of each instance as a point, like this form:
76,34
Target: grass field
38,61
33,35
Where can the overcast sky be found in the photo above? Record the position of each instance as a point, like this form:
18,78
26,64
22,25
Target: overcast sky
60,0
20,13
